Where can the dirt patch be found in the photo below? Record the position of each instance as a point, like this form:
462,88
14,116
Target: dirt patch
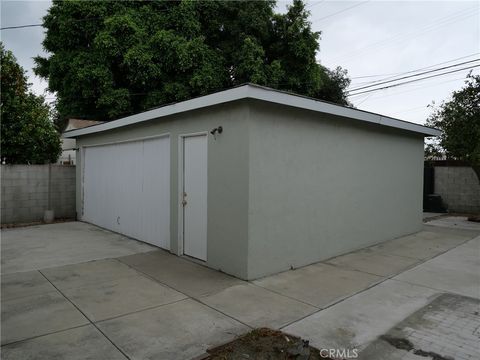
265,344
405,344
431,354
399,343
475,218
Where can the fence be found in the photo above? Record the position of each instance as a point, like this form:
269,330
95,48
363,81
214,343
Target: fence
29,190
457,184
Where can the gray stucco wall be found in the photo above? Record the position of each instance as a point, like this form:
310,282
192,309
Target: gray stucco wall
227,177
25,192
459,187
287,187
324,186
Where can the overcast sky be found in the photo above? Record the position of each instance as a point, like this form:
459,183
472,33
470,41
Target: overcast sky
371,39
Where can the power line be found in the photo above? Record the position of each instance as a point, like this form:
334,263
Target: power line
411,81
414,80
381,82
77,20
20,26
339,12
70,20
402,36
410,90
315,4
364,99
35,25
312,82
365,96
412,71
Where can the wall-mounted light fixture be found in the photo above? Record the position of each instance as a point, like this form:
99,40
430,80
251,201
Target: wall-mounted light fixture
217,130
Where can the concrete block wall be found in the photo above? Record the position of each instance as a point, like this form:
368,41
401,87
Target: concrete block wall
25,190
459,187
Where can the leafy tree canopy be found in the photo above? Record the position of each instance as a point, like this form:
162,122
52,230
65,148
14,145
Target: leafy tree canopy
459,120
113,58
28,136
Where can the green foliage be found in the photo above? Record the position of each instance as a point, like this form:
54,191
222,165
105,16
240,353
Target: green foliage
459,120
114,58
27,134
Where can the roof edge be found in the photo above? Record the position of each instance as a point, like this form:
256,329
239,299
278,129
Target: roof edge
259,93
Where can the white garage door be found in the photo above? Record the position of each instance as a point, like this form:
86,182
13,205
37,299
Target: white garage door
126,188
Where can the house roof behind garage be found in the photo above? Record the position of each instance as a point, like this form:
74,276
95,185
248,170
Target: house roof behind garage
250,91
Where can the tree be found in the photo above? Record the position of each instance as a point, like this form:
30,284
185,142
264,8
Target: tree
28,136
114,58
459,120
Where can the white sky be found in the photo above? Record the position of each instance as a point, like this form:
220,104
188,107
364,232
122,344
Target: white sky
365,37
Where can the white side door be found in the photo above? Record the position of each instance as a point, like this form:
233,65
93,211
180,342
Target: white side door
195,196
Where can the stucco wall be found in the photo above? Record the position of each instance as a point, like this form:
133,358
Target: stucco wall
324,186
25,192
459,187
288,187
227,177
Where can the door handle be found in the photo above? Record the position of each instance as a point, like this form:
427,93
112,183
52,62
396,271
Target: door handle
184,201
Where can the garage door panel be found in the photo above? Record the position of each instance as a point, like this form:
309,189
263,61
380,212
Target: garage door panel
95,187
156,190
127,189
128,196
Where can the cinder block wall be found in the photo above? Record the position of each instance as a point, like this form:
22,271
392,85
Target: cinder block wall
459,187
25,190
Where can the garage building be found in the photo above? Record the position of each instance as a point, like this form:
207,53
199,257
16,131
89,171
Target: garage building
253,181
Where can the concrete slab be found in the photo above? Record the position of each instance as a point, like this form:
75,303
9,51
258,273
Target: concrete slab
121,296
466,255
452,230
157,328
185,276
44,246
81,343
180,330
319,284
31,316
458,222
445,233
457,271
373,262
145,258
24,284
92,272
422,245
360,319
258,307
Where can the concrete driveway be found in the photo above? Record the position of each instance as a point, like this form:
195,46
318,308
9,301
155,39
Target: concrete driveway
44,246
74,291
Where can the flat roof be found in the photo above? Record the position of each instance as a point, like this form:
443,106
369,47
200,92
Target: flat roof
252,91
